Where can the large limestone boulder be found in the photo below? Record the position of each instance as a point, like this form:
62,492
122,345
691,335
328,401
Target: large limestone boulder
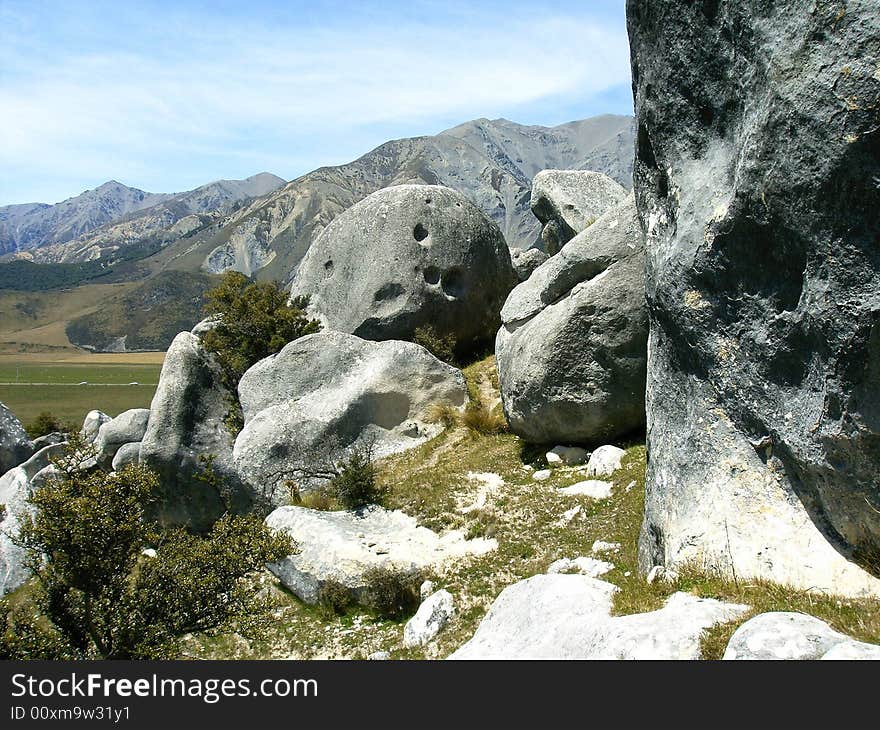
568,201
128,426
785,635
343,546
15,487
15,446
756,182
326,393
92,424
572,348
563,616
407,257
187,426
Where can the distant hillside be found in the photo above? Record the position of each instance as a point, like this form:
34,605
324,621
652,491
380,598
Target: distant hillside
173,245
37,227
147,318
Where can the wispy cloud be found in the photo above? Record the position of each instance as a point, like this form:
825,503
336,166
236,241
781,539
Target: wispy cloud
167,96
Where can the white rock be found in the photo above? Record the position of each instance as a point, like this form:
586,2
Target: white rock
432,616
600,546
542,475
379,656
604,461
569,617
659,574
553,459
789,635
128,427
127,454
570,455
589,488
329,547
568,516
92,423
426,589
148,553
582,566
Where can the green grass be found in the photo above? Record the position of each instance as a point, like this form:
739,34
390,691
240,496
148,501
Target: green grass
108,388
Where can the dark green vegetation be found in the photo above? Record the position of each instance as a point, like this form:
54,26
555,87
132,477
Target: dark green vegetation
46,423
109,584
148,317
28,276
254,320
391,595
441,347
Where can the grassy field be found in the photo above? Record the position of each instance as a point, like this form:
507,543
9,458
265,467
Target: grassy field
69,385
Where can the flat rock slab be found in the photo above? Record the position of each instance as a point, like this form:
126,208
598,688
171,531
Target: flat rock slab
590,488
788,635
569,617
342,546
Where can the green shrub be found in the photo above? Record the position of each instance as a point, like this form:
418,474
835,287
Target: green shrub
334,598
254,320
44,424
391,595
356,486
442,347
443,413
99,595
478,417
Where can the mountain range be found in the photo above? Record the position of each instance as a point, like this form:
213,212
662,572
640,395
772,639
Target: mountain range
160,251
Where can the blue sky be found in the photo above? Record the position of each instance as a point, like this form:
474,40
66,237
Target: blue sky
166,96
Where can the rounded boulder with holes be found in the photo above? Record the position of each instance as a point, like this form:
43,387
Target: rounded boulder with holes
406,257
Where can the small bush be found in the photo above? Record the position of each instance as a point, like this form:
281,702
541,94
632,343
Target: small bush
318,499
444,414
334,598
477,417
356,486
44,424
441,347
391,595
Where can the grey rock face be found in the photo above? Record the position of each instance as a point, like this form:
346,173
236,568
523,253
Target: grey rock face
572,348
15,486
92,424
783,635
433,614
525,262
569,617
756,179
342,546
568,201
187,424
126,455
330,391
127,427
15,446
408,257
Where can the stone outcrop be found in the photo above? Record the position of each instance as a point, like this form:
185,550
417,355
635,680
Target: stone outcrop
569,617
329,392
127,427
343,546
572,348
758,156
407,257
187,426
15,487
526,261
15,446
784,635
568,201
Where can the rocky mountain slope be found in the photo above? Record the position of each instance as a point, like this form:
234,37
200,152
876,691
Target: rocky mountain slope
111,215
491,162
32,225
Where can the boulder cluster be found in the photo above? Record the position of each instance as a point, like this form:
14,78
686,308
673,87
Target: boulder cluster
729,307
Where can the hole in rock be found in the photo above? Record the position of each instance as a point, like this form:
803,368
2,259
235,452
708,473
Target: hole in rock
420,233
452,282
432,275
